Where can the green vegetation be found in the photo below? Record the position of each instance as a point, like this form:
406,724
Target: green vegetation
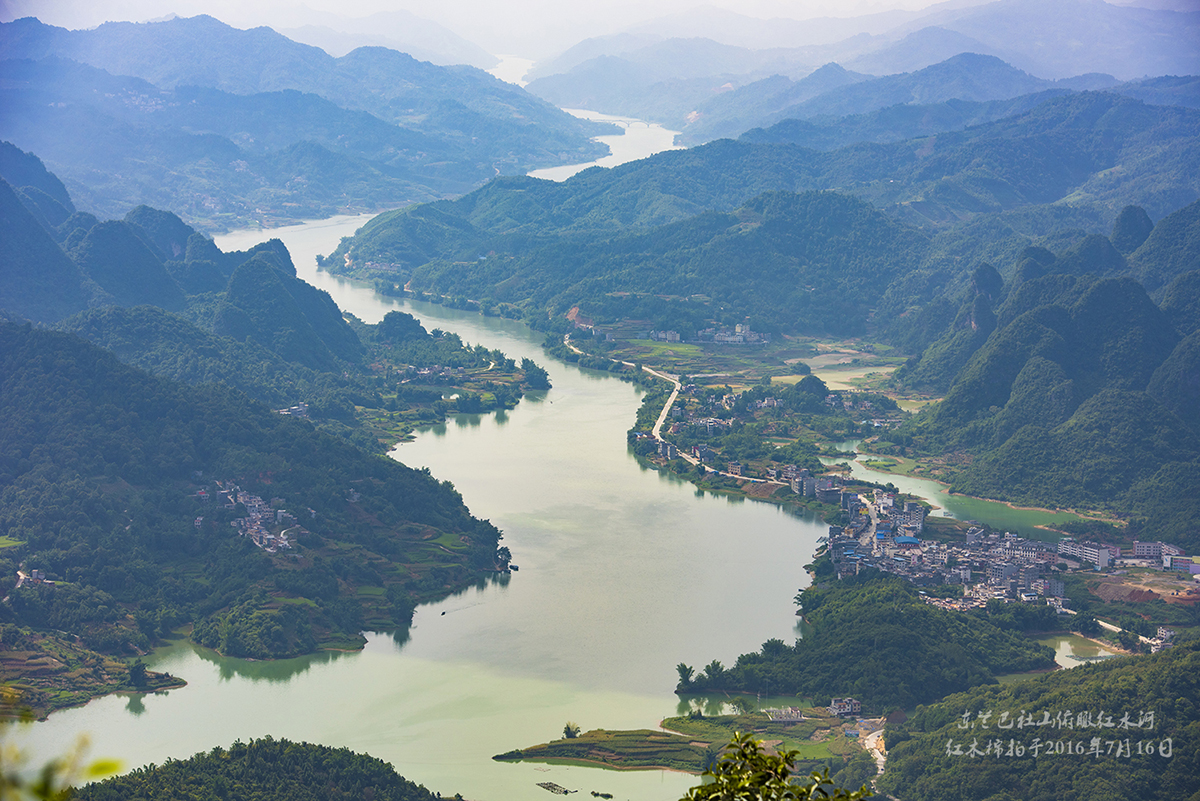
266,769
692,743
1116,753
1078,399
50,672
875,640
747,771
100,475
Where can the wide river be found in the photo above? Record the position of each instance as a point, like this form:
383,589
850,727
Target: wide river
623,574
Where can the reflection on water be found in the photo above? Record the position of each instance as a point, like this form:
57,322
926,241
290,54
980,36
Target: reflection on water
136,704
1070,650
274,670
622,577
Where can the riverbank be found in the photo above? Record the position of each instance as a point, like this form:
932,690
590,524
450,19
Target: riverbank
505,665
879,463
48,673
690,744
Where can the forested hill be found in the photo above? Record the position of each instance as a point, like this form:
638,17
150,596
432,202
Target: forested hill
1077,391
1131,723
978,195
227,125
813,262
873,638
263,770
101,472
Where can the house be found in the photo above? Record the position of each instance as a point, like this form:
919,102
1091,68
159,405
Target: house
845,707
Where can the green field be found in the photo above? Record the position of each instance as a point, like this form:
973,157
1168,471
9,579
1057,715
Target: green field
691,743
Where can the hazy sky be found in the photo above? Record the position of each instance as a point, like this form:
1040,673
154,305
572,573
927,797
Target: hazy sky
517,27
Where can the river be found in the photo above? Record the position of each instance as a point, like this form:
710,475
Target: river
638,140
996,514
624,573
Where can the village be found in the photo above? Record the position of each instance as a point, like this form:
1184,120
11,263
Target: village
988,565
267,524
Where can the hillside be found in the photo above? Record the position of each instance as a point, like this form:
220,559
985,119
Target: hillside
1102,710
1044,176
37,280
1075,392
123,456
266,770
811,262
874,639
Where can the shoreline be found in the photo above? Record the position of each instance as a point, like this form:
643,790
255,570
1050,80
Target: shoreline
1087,515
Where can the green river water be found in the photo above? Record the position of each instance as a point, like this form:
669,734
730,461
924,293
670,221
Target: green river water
624,572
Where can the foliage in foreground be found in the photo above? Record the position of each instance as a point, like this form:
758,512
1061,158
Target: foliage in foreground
279,770
746,772
264,770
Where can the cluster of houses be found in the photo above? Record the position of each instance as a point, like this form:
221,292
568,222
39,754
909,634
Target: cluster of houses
267,526
739,335
299,410
432,373
1012,568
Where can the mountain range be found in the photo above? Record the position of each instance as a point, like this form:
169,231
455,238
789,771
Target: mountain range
227,125
716,73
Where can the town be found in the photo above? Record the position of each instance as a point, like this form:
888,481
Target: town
987,565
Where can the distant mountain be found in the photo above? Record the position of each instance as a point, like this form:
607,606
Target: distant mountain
742,30
395,29
387,129
967,76
894,123
595,47
225,159
917,50
1073,37
1064,147
202,51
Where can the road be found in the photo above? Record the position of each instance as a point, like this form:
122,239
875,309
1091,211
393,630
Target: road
1118,630
873,742
656,432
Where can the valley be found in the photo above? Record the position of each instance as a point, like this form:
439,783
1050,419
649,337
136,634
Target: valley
424,431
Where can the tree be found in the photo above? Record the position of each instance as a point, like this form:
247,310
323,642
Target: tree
137,674
746,773
535,377
571,730
685,675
